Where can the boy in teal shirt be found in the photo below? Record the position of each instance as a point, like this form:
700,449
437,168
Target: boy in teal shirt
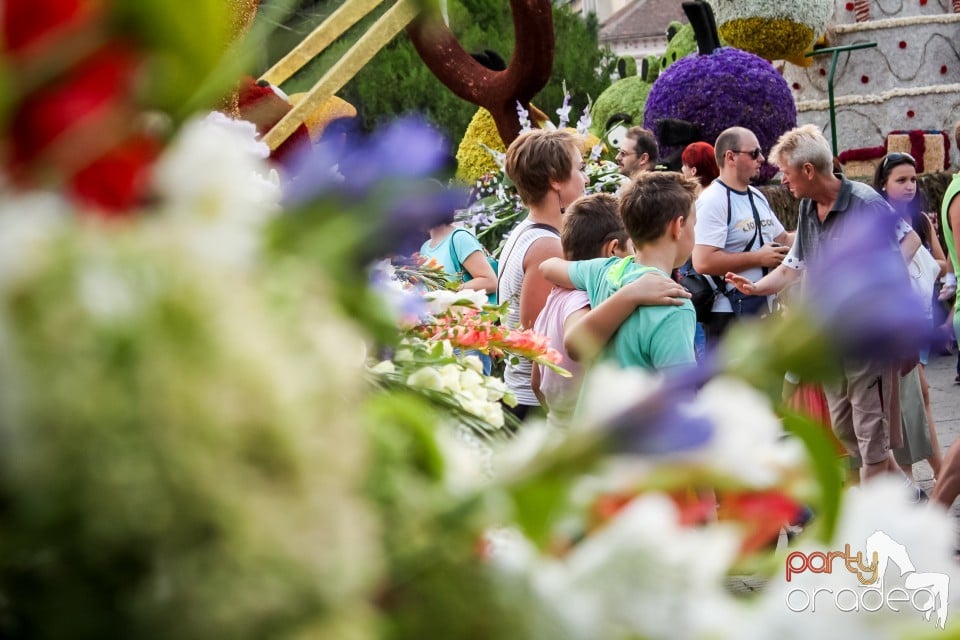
659,214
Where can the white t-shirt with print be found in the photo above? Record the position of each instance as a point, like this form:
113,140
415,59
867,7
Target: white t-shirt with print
713,230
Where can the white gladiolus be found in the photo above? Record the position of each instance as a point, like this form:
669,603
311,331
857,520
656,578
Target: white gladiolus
472,382
450,377
473,363
385,366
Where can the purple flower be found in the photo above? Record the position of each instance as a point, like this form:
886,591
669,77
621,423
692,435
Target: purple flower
382,181
350,167
664,422
726,88
403,303
409,215
859,291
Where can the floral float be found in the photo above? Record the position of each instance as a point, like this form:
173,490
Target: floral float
722,89
781,30
628,95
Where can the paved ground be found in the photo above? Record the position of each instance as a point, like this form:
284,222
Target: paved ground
945,399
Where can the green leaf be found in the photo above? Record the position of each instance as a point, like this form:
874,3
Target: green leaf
184,44
826,466
538,505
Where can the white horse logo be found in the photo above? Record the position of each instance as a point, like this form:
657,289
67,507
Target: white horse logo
935,584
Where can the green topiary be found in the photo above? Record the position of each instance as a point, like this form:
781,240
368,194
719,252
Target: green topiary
624,96
681,44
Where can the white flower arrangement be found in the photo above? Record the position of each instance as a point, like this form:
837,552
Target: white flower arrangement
811,13
896,23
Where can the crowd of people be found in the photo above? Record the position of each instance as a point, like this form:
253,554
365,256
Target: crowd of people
598,275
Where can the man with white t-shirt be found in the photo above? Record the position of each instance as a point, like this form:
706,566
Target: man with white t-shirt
736,230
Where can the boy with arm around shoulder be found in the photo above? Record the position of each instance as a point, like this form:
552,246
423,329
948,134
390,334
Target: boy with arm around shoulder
659,213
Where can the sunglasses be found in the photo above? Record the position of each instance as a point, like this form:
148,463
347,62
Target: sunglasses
897,158
756,153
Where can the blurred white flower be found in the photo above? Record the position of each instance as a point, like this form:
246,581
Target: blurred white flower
216,188
106,294
927,536
28,225
643,575
466,460
516,454
441,300
748,441
609,391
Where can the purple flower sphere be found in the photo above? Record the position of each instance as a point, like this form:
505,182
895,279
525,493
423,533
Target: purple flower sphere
726,88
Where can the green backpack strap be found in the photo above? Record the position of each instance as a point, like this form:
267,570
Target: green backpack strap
461,271
454,258
462,274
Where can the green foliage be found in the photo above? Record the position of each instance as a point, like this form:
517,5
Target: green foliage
825,465
576,60
185,46
629,64
683,43
162,472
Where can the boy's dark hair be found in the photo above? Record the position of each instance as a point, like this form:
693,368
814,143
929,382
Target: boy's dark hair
653,201
589,223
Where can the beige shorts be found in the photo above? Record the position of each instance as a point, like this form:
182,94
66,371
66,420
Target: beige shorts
859,409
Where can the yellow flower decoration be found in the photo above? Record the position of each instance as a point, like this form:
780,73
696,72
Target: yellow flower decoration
473,161
586,141
769,38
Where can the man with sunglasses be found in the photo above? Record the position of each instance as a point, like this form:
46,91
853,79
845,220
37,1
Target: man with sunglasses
736,229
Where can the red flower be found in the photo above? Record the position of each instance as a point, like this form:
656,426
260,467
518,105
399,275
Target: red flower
32,24
763,513
84,98
117,181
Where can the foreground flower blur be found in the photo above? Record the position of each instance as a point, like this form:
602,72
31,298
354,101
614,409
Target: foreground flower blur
229,414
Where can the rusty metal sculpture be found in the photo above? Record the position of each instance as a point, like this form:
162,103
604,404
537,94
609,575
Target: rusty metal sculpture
496,91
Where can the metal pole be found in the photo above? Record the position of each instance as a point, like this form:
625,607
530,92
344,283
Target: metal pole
833,69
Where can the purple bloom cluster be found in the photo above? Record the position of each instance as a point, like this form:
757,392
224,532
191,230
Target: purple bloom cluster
386,177
354,164
726,88
859,292
664,422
